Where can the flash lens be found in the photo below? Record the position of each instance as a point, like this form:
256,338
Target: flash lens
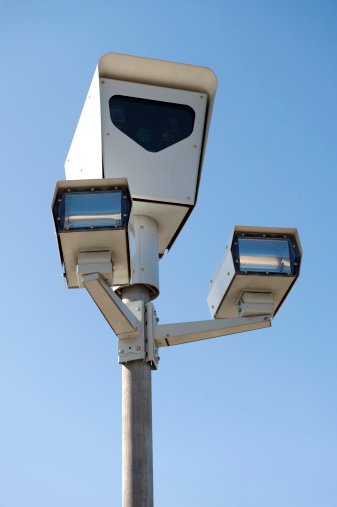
91,210
259,255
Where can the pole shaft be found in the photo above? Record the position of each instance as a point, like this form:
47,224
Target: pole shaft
137,460
137,474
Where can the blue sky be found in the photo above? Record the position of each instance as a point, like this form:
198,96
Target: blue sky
242,421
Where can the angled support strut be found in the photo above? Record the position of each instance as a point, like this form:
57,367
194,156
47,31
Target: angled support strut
118,315
185,332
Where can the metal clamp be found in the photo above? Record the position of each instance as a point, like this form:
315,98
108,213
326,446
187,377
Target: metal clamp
132,348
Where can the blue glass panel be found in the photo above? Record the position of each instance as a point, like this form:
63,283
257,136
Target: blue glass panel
91,210
258,255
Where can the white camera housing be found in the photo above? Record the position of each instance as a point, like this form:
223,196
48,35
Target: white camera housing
164,179
257,271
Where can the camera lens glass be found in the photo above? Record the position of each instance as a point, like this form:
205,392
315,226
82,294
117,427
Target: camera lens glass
153,124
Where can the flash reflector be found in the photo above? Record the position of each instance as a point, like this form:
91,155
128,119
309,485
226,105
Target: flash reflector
78,210
261,255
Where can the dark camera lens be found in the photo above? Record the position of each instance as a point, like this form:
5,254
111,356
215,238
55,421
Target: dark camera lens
153,124
117,115
144,136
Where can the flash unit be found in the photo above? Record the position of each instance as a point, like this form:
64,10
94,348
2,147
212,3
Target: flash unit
259,268
93,222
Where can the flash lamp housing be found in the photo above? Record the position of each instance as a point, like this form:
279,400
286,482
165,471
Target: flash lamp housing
94,226
258,269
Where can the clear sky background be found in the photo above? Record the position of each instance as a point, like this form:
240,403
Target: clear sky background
244,421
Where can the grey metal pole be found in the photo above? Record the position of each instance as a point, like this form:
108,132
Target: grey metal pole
137,459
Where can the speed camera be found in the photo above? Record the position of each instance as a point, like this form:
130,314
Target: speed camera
147,121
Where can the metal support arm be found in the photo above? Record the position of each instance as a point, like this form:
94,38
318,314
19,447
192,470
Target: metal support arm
119,316
139,339
185,332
